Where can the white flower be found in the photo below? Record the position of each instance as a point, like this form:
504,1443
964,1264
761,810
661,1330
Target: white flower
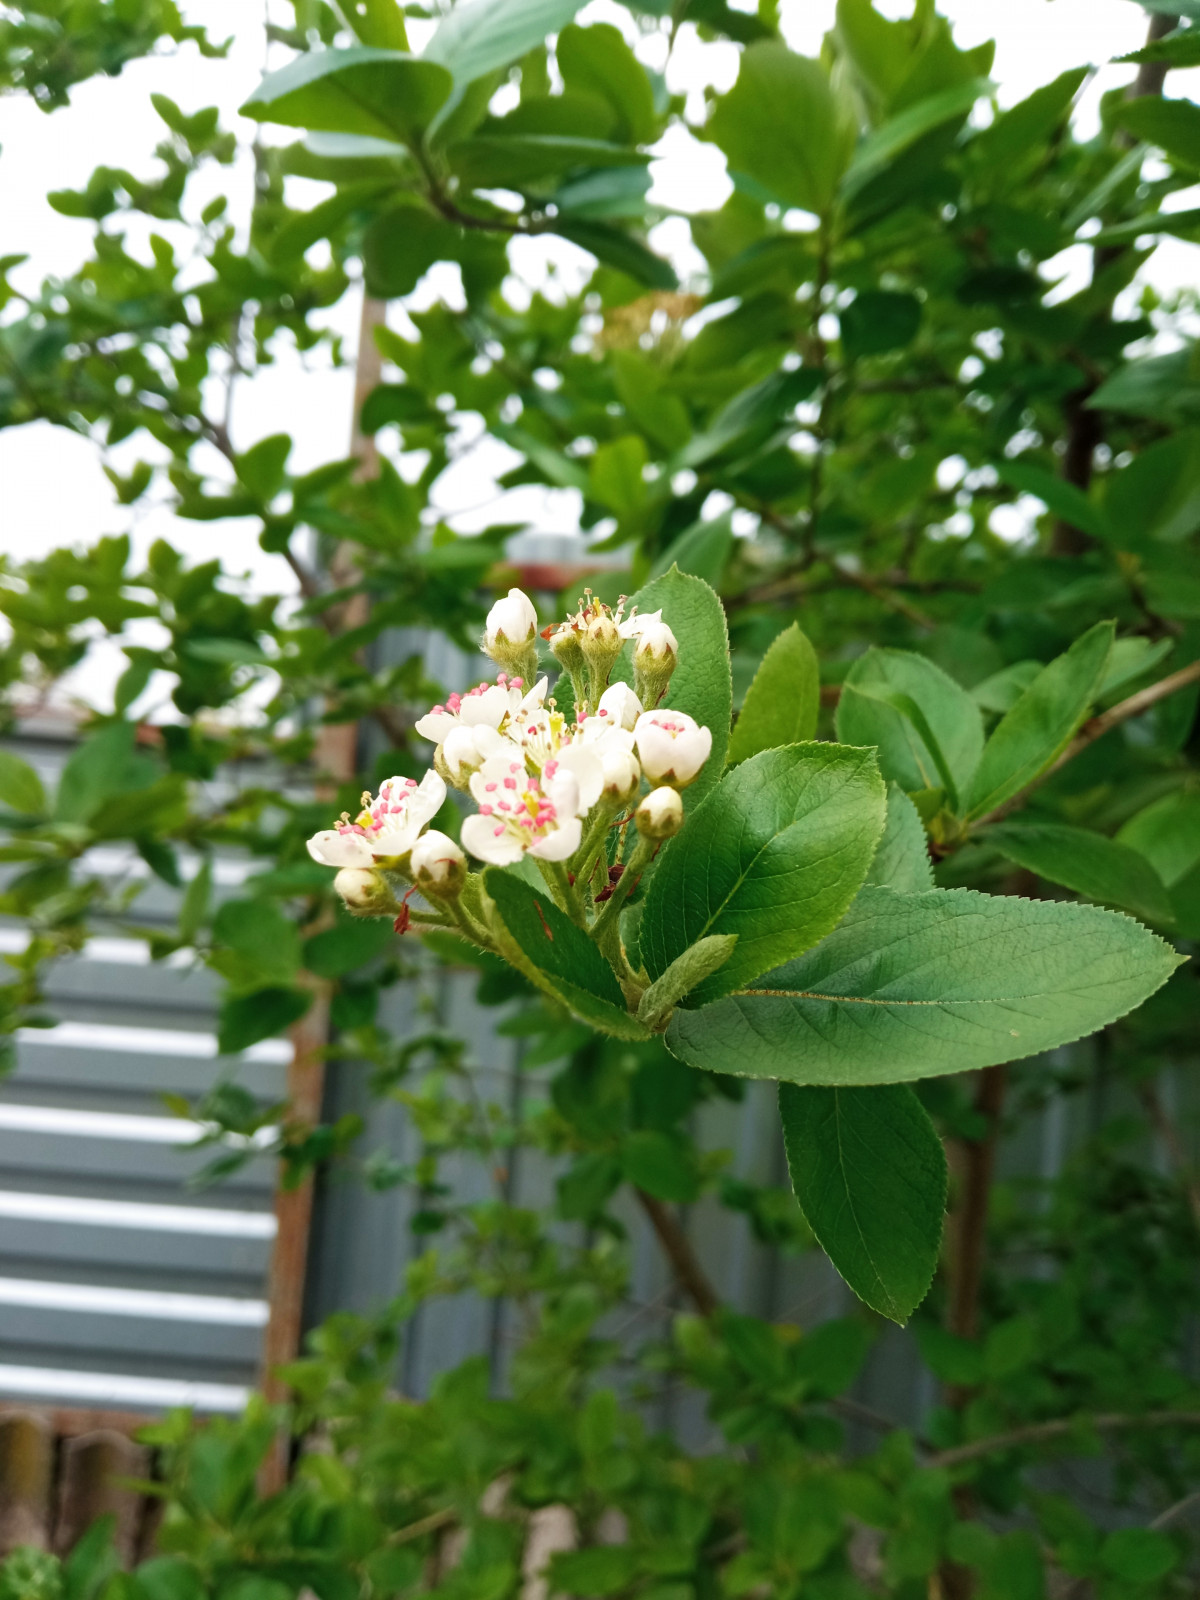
660,814
467,748
636,622
438,865
519,813
671,745
656,644
358,887
619,707
511,621
387,826
487,705
613,747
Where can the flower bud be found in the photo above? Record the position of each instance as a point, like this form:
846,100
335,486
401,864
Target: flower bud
672,746
660,814
619,707
601,647
654,658
464,751
622,774
509,635
567,644
364,893
439,867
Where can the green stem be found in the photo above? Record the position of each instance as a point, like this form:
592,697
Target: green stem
607,924
555,874
474,931
584,862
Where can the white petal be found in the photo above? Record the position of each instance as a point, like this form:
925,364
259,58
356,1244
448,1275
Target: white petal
562,791
335,849
588,771
436,726
479,837
560,844
488,708
534,699
426,800
632,626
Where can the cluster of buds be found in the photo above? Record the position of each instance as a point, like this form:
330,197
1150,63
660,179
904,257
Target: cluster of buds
545,784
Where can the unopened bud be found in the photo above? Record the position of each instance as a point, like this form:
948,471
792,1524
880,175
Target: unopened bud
601,647
439,867
660,814
567,644
364,893
509,635
654,660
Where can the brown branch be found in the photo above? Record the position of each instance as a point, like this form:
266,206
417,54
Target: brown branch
1096,727
677,1248
1152,75
1044,1432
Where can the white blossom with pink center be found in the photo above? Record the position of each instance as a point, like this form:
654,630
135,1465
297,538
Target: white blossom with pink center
520,813
487,705
386,826
671,746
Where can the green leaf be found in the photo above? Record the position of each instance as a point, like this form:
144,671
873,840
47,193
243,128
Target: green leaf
601,1570
1167,833
401,245
20,787
620,250
1173,125
1157,496
696,963
915,986
877,703
880,149
336,951
384,94
512,160
263,468
599,195
869,1171
1086,862
774,854
265,941
394,402
194,906
703,550
615,474
1030,123
879,320
1179,49
660,1164
902,860
1062,498
478,36
781,125
245,1019
752,416
1164,388
542,942
105,765
701,684
1139,1555
782,701
597,61
1003,689
377,22
1039,727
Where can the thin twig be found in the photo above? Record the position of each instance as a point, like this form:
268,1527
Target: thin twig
1043,1432
678,1249
429,1524
1097,727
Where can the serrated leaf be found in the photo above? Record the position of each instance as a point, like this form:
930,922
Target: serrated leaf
1038,728
383,94
782,701
869,1172
902,860
1086,862
20,787
774,854
1173,125
868,713
542,942
915,986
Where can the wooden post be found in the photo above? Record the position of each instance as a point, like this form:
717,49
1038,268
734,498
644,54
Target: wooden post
337,762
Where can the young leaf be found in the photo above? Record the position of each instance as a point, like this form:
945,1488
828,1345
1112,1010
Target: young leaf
902,859
542,942
383,94
20,787
696,963
869,1171
1039,726
885,144
775,854
914,986
1086,862
700,684
782,702
905,704
781,125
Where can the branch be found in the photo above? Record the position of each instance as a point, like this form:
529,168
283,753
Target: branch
1043,1432
678,1249
1096,727
895,602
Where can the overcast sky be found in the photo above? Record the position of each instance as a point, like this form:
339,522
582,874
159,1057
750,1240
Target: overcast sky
53,489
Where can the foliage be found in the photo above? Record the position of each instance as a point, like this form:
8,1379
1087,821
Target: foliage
850,445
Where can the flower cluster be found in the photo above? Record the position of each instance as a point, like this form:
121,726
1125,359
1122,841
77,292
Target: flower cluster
546,784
